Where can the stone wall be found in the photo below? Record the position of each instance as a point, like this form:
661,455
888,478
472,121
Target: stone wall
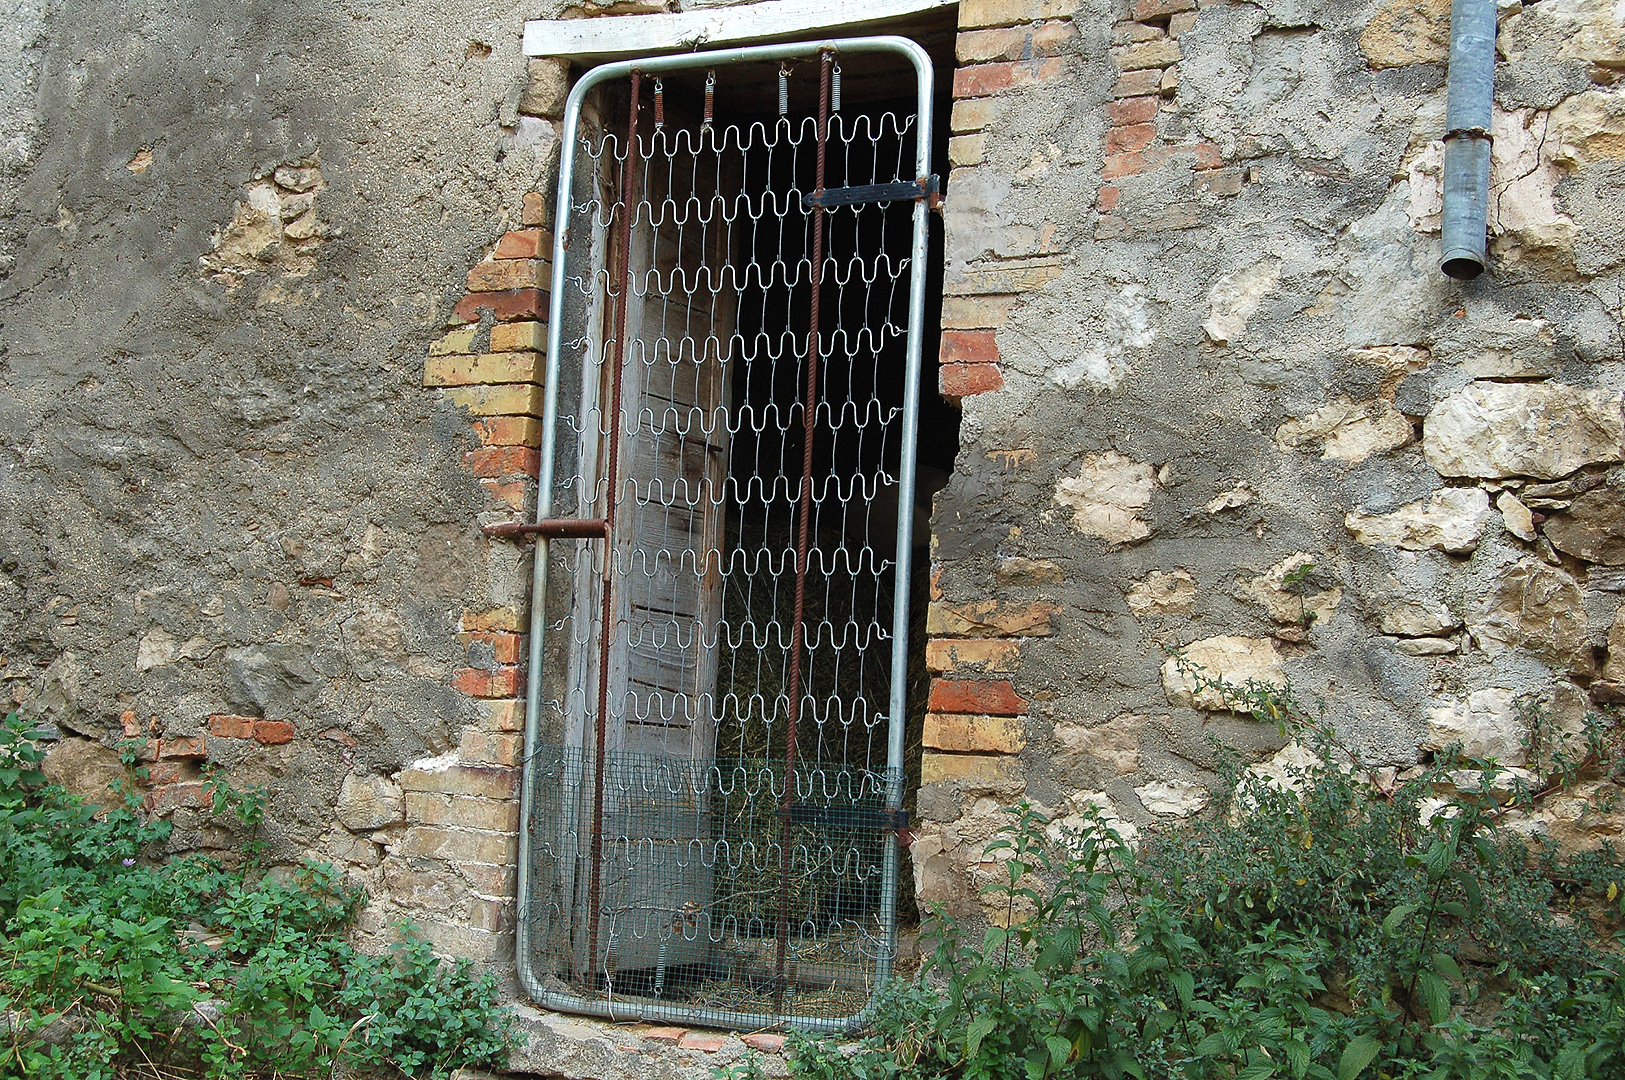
1218,398
271,357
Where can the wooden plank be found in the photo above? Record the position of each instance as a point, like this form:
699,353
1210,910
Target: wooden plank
619,37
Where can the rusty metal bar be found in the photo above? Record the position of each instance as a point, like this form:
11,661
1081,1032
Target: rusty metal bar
803,529
552,529
613,410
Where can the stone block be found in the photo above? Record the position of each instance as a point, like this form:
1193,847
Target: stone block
994,774
1451,519
163,801
991,618
438,775
1543,429
369,802
961,734
462,812
1181,24
1592,528
1162,593
462,845
1405,32
976,14
466,943
995,697
1234,661
503,399
526,335
484,748
488,879
547,85
1530,605
995,655
483,369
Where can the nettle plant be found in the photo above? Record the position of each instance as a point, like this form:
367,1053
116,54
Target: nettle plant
1329,928
114,964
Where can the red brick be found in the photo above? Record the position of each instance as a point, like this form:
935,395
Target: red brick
1126,164
504,681
956,381
1107,197
185,747
273,732
667,1035
969,347
1208,155
512,495
226,726
170,772
131,726
504,306
980,80
172,797
503,461
1134,110
523,244
990,698
765,1041
695,1040
508,431
1134,137
506,648
499,275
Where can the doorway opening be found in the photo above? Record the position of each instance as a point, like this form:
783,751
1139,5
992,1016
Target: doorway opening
745,421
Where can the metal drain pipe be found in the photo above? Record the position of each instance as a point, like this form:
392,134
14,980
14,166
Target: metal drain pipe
1467,137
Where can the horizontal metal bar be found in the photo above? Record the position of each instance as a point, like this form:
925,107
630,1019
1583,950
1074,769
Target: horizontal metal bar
923,188
553,529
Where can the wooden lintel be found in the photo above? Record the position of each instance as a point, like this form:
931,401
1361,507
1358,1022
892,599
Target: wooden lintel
622,36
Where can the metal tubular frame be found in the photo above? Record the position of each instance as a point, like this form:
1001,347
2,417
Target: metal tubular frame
921,62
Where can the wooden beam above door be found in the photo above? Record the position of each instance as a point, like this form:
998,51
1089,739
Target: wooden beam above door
619,37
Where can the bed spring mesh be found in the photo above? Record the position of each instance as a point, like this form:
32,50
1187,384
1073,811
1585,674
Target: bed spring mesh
712,798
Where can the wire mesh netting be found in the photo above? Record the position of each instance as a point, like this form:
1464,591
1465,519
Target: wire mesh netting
716,790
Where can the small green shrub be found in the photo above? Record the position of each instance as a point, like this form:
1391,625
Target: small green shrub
110,960
1332,932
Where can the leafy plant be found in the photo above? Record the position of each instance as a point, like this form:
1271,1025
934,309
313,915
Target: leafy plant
110,959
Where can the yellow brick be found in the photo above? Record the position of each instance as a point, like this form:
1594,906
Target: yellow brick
519,336
501,400
1005,277
998,734
483,748
486,815
1146,54
977,312
975,14
966,150
994,773
993,655
990,618
483,369
974,114
482,781
1014,43
495,275
509,431
502,618
501,714
458,341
